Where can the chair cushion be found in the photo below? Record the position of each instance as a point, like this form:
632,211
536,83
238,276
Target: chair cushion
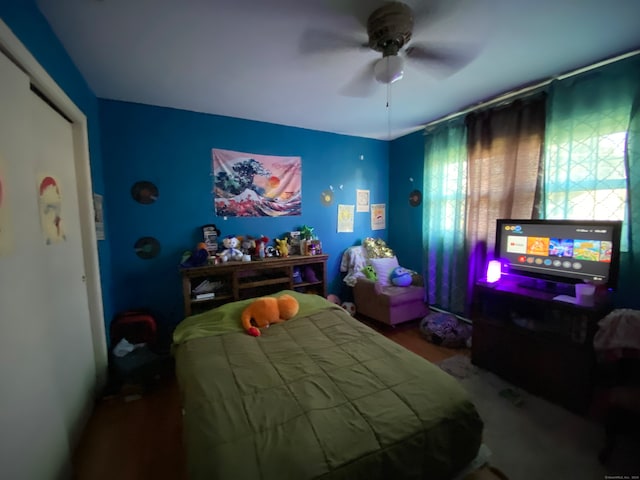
394,296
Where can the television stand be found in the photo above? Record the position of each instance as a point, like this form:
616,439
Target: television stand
535,342
556,288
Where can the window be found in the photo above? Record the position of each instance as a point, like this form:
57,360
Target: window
584,165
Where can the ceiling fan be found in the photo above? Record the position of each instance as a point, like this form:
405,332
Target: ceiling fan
389,30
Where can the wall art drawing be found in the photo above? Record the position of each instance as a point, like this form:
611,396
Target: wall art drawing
50,203
252,185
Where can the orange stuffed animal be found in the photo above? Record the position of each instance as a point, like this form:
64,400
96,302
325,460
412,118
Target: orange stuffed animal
267,310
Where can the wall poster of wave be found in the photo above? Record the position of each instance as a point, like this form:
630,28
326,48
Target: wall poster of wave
253,185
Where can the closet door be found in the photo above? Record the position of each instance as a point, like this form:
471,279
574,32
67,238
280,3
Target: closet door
47,367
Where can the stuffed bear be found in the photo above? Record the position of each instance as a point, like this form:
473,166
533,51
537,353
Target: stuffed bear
231,251
267,310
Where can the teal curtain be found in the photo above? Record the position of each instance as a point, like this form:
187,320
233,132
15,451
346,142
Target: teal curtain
592,168
443,226
630,266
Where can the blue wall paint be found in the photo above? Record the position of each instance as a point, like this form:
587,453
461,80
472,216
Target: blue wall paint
25,20
172,148
406,160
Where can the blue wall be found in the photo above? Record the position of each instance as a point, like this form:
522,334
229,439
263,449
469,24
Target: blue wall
406,162
26,22
172,148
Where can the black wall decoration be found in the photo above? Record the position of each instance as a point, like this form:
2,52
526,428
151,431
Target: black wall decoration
415,198
147,247
144,192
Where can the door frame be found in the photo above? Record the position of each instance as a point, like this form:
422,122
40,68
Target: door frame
11,45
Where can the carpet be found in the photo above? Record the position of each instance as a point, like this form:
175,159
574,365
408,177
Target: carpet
458,366
531,438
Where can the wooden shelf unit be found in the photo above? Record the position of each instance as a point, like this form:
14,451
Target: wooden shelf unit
540,344
241,280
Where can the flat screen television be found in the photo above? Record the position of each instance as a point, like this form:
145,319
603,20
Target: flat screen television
553,253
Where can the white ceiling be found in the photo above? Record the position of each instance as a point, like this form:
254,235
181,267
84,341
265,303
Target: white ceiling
244,58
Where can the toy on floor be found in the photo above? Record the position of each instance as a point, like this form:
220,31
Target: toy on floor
267,310
334,299
350,307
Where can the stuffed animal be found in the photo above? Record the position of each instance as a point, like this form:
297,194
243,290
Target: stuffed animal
350,307
297,275
309,275
247,245
400,277
282,247
370,273
261,245
231,251
197,258
334,299
267,310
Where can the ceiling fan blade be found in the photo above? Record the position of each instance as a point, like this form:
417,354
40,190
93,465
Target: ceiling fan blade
358,10
440,59
363,84
322,41
430,12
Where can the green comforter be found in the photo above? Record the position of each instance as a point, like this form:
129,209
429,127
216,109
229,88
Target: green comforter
318,396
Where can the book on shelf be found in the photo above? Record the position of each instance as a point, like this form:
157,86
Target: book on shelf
205,296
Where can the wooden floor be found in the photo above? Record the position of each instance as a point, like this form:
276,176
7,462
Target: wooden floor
139,437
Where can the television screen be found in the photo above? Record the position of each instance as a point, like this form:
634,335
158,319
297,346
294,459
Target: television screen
566,251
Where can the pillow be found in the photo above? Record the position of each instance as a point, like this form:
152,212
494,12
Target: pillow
377,248
383,268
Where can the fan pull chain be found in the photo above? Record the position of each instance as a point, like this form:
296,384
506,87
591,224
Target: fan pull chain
388,111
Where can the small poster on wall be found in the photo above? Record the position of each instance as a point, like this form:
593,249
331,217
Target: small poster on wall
6,234
99,216
345,218
50,205
362,197
378,216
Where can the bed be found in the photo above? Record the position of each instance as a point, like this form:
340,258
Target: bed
318,396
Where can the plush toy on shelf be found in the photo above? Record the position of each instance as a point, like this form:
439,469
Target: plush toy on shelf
267,310
309,275
195,258
231,251
261,245
282,246
247,245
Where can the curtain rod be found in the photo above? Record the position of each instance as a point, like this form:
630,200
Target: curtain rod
521,91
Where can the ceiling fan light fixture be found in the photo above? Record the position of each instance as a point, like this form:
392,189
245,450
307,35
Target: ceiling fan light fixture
389,69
